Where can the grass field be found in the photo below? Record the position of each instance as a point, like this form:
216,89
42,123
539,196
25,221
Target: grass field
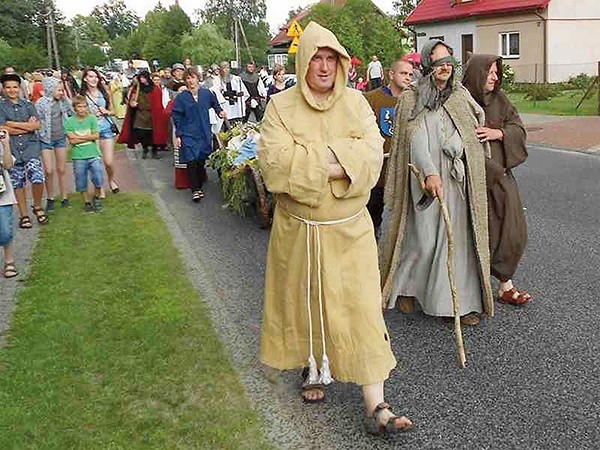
561,105
111,346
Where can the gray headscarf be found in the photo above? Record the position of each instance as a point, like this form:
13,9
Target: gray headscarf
428,94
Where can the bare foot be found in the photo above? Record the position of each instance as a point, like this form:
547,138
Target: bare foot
313,394
406,305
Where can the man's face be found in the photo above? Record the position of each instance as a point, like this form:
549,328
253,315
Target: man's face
374,58
187,62
9,70
225,69
441,74
156,80
250,68
177,73
192,82
167,74
322,70
11,88
492,78
402,76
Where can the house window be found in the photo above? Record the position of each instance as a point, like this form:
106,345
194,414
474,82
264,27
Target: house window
280,59
510,46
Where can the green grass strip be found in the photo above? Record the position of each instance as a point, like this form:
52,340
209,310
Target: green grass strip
111,346
562,105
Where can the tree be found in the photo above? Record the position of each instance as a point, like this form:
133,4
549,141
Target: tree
403,8
92,56
116,19
362,29
16,24
205,45
252,16
89,30
224,12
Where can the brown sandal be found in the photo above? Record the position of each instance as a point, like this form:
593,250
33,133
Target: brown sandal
25,222
392,426
40,215
515,297
9,270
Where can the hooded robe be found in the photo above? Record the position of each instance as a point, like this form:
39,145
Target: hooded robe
296,132
507,222
436,134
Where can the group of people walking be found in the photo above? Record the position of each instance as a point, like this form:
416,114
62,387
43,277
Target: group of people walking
34,142
350,239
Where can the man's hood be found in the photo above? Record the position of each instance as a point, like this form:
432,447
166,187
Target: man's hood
314,37
475,75
50,84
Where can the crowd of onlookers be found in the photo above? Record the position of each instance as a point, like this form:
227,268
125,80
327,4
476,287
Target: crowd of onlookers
44,113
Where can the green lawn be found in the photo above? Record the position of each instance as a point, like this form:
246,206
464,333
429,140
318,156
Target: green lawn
111,346
561,105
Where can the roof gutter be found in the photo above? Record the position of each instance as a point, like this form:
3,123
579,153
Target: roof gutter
545,52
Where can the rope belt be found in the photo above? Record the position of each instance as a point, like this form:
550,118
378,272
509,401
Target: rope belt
313,227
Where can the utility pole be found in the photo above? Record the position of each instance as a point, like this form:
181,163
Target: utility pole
48,36
54,43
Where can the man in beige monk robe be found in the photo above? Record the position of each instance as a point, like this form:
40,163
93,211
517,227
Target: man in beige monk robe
321,153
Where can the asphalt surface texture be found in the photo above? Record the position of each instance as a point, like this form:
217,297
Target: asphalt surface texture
532,379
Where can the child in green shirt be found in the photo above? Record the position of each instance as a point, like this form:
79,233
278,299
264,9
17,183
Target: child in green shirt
82,133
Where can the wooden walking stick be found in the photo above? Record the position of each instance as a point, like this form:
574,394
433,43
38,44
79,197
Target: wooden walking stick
460,345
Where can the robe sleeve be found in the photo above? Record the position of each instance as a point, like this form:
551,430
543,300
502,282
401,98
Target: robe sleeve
360,156
289,167
419,152
514,143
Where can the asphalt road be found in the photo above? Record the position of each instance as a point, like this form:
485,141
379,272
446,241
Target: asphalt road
532,379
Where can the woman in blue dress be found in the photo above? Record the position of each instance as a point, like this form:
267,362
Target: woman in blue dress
193,129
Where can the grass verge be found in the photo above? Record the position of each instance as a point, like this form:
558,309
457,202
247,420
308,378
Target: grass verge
111,346
562,105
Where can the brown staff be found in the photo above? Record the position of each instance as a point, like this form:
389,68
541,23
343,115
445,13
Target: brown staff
424,203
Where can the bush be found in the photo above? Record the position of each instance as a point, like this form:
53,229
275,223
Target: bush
581,82
541,92
508,76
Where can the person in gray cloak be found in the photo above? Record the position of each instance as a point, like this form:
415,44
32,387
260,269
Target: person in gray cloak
436,120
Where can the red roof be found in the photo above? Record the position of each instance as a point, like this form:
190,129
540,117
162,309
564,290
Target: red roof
444,10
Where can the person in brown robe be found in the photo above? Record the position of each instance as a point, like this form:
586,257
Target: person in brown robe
506,135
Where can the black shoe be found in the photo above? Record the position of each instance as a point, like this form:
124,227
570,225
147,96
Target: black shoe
144,153
65,203
88,208
50,205
97,204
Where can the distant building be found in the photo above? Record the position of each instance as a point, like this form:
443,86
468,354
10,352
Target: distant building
543,40
278,54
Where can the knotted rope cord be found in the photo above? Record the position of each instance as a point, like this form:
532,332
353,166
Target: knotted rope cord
324,376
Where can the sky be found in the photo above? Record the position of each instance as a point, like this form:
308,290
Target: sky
277,10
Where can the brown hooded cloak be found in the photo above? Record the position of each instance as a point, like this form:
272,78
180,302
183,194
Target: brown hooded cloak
324,223
401,190
507,222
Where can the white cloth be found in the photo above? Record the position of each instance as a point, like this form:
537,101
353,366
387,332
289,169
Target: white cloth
216,123
8,196
375,70
237,110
